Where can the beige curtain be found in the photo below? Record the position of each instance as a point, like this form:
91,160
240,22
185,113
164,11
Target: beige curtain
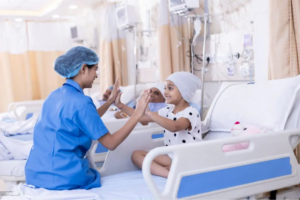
173,36
284,53
27,76
112,50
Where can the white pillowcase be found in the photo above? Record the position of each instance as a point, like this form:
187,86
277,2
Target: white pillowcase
264,104
197,99
128,92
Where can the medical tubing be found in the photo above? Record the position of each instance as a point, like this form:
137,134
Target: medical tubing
192,57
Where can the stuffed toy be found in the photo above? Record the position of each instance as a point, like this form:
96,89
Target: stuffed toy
238,131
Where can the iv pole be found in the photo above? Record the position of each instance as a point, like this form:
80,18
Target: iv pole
205,20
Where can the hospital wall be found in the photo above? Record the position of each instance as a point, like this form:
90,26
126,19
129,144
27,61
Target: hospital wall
260,45
261,39
231,21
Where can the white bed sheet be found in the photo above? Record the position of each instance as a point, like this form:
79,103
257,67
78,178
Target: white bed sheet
12,168
128,185
212,135
125,186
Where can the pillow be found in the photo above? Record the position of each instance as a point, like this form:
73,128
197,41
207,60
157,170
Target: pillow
196,99
263,104
128,92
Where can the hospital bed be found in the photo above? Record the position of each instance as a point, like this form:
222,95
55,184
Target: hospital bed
12,171
25,110
202,170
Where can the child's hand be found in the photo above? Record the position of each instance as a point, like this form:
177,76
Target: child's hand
147,111
115,92
120,115
118,102
143,102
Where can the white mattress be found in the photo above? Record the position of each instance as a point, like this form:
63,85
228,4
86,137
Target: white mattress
12,168
125,186
212,135
129,185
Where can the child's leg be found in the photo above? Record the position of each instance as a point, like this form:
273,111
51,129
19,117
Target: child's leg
160,165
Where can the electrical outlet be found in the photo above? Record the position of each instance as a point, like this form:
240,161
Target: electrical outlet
246,69
209,57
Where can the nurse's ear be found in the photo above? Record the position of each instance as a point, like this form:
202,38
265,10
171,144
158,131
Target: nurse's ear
84,69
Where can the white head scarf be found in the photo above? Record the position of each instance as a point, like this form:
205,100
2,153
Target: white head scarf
160,87
187,84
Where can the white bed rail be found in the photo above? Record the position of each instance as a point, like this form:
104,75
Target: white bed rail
191,161
119,160
21,109
115,125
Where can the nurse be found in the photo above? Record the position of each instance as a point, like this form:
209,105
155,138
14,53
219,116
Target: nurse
69,122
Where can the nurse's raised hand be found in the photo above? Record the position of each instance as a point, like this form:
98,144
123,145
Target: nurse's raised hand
115,91
143,102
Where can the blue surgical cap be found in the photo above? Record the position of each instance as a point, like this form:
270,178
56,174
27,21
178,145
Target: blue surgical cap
69,64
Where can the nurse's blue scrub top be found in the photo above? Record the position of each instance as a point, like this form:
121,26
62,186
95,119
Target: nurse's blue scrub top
62,135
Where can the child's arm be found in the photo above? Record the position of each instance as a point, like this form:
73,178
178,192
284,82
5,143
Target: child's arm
171,125
129,111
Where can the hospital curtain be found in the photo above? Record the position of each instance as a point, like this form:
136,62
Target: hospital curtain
284,53
27,53
173,36
27,76
43,78
112,49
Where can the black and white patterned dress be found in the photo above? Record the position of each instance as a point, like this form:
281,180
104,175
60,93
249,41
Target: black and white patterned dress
182,136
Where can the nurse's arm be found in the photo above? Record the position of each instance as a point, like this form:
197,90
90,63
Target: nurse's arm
111,141
129,111
102,109
114,93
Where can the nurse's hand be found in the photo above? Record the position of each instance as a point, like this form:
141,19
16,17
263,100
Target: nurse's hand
143,102
115,91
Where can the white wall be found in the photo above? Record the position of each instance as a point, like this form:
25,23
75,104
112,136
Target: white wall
260,45
261,39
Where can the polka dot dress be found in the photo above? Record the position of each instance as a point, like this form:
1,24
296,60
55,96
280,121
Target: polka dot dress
183,136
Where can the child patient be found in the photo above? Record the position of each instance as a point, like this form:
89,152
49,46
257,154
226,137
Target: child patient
181,122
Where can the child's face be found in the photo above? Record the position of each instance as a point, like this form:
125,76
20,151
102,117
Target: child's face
172,94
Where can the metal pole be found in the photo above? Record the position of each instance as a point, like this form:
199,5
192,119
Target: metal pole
135,63
203,67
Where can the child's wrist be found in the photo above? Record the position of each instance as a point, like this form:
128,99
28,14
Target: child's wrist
148,113
120,106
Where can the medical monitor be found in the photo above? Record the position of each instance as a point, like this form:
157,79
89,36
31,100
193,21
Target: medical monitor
182,6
